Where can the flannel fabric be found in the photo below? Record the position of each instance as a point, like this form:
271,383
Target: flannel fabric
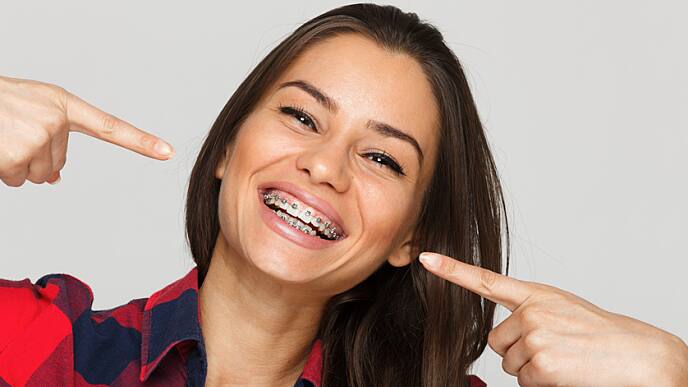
50,336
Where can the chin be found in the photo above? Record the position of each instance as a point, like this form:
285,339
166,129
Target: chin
286,266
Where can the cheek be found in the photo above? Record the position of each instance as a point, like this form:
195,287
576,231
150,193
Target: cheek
383,216
260,143
261,140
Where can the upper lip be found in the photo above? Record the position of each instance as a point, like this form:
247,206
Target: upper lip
309,199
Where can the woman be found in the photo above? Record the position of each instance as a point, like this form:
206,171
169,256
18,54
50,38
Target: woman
354,146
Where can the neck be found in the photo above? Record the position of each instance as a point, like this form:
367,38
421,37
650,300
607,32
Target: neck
257,331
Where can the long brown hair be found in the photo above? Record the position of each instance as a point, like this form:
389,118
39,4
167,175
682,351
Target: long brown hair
402,326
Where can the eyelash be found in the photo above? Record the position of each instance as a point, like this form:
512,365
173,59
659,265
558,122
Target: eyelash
388,161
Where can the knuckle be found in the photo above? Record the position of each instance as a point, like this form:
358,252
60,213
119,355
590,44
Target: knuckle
35,179
147,141
16,160
449,267
55,92
40,138
530,317
110,124
488,280
13,182
525,377
55,122
507,367
543,366
39,174
492,336
492,340
60,94
535,340
557,295
9,163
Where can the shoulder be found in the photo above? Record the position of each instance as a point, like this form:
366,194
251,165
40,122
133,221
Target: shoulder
475,381
52,303
37,316
53,316
61,300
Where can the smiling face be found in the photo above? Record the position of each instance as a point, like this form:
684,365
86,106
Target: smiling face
340,124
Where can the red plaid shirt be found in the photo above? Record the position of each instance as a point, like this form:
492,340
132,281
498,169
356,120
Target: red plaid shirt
49,336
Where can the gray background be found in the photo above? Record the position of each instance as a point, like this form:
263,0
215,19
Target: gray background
584,103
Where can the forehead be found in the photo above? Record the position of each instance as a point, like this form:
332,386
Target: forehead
370,82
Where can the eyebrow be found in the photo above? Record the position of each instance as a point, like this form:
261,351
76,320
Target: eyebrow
330,104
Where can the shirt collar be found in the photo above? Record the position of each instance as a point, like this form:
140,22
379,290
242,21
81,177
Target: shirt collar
171,319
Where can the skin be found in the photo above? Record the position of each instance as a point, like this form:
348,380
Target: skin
555,338
273,290
263,295
36,119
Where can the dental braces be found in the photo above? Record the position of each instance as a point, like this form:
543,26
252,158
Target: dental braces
329,232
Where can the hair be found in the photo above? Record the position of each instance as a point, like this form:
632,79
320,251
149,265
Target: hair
401,326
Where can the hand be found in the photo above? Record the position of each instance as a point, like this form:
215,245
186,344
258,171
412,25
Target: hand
555,338
35,121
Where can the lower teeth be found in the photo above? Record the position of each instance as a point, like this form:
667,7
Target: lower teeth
295,223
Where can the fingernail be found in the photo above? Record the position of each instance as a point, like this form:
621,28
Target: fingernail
163,149
56,181
430,260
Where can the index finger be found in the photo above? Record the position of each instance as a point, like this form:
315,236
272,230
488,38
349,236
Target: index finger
498,288
90,120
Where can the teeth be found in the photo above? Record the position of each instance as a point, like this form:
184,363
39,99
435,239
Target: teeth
305,220
304,214
295,223
293,209
322,225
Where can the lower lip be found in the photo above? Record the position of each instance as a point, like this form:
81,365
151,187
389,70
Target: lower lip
283,229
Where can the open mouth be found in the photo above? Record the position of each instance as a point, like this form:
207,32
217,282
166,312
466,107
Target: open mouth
301,217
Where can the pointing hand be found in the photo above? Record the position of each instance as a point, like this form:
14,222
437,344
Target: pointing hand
35,121
555,338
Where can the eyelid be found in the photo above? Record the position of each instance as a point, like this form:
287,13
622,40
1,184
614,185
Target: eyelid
401,173
304,112
300,110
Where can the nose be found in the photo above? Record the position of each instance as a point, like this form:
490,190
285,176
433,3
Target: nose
326,163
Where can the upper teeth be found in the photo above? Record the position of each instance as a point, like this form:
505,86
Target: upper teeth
306,214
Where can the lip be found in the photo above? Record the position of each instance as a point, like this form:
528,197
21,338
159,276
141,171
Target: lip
286,231
309,199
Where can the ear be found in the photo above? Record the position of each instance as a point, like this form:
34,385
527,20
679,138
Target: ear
402,255
222,164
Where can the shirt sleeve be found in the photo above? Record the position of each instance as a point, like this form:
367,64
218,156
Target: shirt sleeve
21,303
35,320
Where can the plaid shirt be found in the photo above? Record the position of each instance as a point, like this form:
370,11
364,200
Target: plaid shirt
49,336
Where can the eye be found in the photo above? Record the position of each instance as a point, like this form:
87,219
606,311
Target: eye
386,161
300,114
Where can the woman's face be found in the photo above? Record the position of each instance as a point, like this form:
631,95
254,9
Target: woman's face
330,153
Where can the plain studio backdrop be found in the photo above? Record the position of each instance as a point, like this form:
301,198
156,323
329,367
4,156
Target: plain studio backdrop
585,105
